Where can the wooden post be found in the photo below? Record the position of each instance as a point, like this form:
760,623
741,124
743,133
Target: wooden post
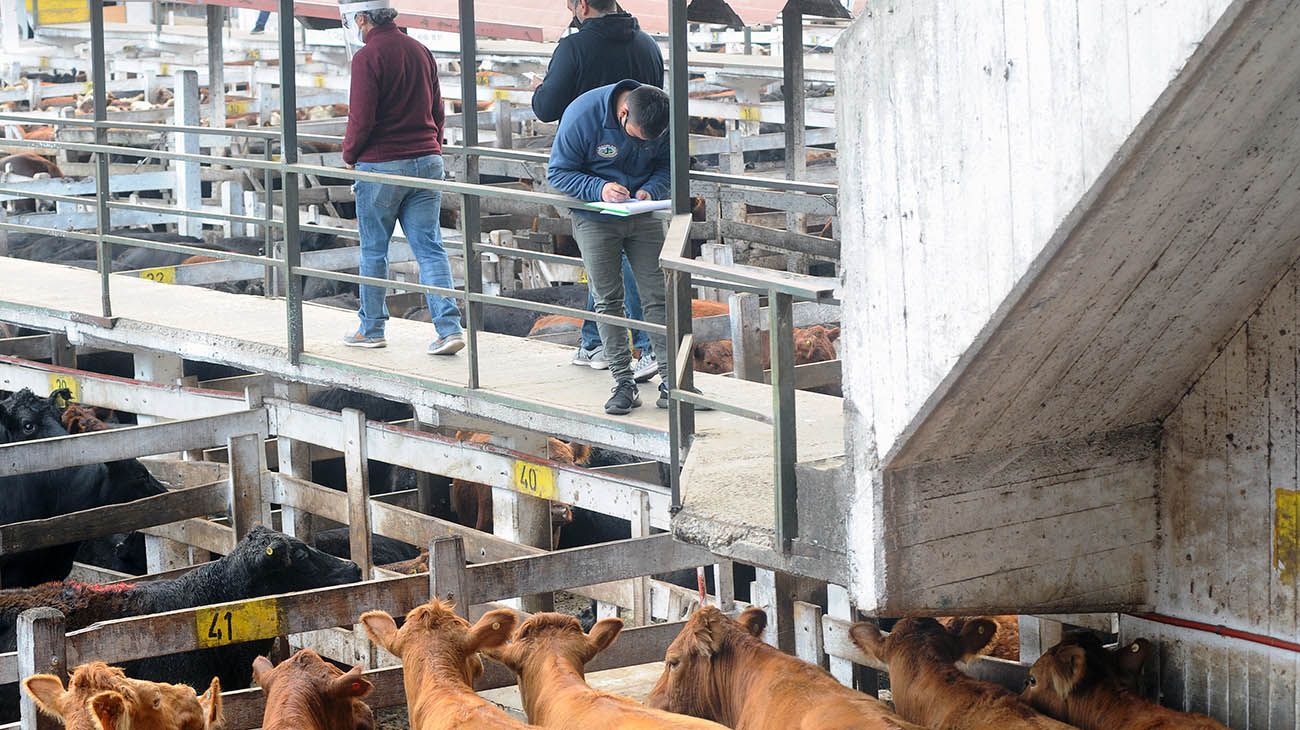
41,650
1037,635
808,633
157,368
426,419
358,473
447,572
505,125
62,352
216,17
189,186
247,505
838,606
641,584
716,253
232,203
724,584
294,459
523,518
746,337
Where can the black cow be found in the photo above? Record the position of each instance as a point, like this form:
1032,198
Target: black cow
25,416
519,322
264,563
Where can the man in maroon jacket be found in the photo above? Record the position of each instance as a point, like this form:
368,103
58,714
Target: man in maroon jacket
395,121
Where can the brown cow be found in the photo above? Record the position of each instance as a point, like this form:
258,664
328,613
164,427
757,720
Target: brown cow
100,697
549,651
308,693
440,662
1005,643
1081,683
811,344
719,669
928,687
81,418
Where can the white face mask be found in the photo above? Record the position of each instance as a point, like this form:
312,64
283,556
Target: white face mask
353,39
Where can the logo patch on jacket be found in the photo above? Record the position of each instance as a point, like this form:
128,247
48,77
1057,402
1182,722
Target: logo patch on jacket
607,151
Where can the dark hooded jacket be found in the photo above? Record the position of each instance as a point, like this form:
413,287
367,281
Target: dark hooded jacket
607,49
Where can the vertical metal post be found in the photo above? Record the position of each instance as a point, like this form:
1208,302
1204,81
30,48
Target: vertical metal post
470,221
103,224
272,280
289,154
188,194
784,448
796,158
681,419
216,17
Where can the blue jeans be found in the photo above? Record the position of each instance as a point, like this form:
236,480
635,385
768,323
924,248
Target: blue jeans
379,207
262,17
632,302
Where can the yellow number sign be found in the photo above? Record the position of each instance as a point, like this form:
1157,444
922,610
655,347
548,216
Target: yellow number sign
164,275
750,113
535,479
232,624
59,380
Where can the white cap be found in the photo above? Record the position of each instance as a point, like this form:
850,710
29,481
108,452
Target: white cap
349,8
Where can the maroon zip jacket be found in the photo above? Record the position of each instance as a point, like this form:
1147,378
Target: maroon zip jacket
395,105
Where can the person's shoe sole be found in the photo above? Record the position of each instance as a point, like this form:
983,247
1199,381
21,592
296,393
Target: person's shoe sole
598,364
365,344
450,348
646,377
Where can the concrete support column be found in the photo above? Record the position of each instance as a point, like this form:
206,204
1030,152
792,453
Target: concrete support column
157,368
189,189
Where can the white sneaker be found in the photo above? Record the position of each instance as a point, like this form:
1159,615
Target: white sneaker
594,359
645,368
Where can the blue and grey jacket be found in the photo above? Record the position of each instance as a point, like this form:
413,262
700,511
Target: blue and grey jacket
591,149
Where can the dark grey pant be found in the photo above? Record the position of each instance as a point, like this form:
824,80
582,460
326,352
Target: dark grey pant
603,244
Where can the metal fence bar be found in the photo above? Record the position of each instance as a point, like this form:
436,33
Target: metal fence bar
103,223
289,153
784,447
470,205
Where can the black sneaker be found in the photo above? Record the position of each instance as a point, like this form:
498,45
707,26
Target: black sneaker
625,398
663,397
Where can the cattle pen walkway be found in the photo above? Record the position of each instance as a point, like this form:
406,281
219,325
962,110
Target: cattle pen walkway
527,384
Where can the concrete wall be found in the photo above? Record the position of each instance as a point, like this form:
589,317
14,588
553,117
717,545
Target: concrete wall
978,127
1229,510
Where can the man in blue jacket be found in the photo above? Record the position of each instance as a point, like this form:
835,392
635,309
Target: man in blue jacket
612,146
608,47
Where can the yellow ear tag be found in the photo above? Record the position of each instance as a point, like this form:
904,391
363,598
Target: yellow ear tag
270,551
1134,648
496,625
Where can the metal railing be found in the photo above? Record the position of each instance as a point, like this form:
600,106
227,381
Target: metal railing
682,272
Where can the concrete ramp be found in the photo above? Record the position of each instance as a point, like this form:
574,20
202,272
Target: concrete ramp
1064,211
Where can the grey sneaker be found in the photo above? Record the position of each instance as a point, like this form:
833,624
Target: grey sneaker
356,339
645,368
449,345
594,358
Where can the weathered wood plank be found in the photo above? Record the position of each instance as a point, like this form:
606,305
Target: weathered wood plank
162,509
124,443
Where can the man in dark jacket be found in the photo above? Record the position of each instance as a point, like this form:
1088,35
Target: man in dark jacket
608,47
395,121
612,146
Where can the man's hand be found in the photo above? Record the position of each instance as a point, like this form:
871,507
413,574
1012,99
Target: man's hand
643,195
614,193
346,166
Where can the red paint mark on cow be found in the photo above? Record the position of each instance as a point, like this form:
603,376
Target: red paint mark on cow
104,587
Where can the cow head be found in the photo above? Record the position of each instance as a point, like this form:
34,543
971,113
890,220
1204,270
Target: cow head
25,416
307,691
921,641
100,697
713,357
1080,662
555,635
272,562
434,634
700,658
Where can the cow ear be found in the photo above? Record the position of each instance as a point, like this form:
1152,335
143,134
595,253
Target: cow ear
976,634
210,703
1130,659
46,690
351,684
1071,665
510,655
709,631
381,628
833,334
869,639
262,669
109,710
753,621
492,630
697,352
604,633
